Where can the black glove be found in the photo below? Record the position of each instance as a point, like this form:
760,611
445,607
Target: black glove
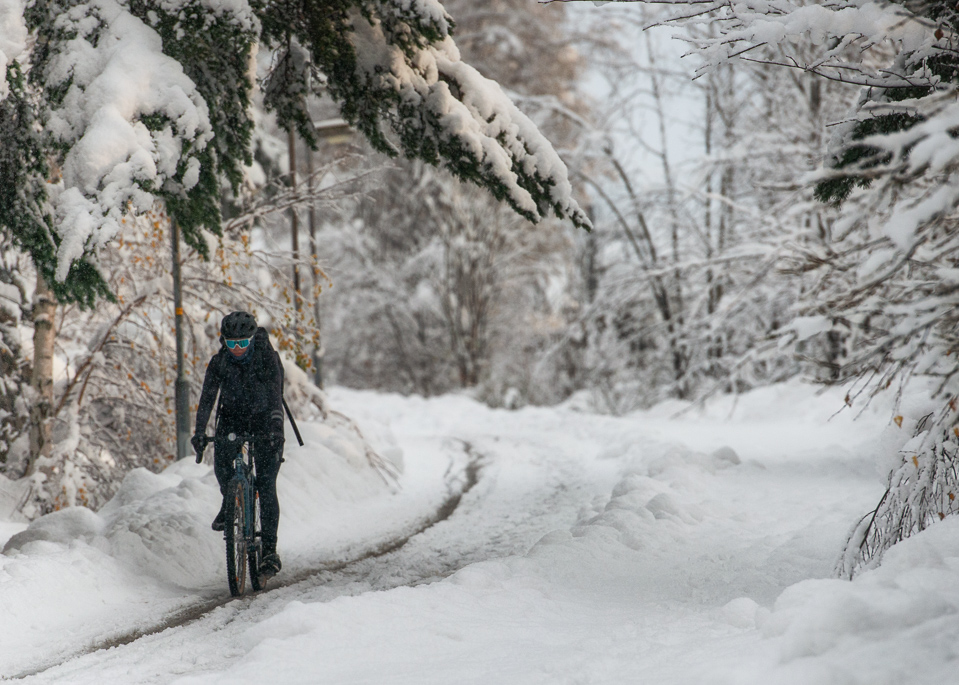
199,445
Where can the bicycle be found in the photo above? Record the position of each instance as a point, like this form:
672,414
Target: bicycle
242,533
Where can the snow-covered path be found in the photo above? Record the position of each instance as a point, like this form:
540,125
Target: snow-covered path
590,550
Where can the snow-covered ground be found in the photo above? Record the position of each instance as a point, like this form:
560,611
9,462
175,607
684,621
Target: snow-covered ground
590,549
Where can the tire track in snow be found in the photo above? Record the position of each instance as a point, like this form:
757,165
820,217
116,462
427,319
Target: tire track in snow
458,481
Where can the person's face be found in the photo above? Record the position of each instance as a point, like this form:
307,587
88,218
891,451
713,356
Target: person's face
238,347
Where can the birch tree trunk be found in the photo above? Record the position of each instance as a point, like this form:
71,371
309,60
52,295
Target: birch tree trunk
44,335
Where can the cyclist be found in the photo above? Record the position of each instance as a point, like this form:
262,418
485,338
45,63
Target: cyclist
248,374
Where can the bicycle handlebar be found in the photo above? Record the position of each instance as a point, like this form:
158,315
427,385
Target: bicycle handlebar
205,440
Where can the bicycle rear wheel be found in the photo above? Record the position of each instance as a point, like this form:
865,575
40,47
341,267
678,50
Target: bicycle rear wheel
235,534
255,549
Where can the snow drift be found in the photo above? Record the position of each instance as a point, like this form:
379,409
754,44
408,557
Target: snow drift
150,549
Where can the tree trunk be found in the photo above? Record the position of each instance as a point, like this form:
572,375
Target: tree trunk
294,224
44,336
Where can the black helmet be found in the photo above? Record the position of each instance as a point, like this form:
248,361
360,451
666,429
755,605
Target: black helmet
238,325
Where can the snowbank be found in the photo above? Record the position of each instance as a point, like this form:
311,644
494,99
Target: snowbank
898,623
150,549
157,525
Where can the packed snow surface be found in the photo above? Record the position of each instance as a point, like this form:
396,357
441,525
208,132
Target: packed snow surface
652,548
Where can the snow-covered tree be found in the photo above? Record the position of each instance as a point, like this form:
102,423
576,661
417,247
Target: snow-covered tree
143,101
885,279
695,196
435,288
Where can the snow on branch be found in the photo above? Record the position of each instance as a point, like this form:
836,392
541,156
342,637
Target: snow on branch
415,95
141,102
131,120
846,30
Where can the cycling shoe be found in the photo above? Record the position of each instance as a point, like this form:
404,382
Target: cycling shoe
219,523
270,565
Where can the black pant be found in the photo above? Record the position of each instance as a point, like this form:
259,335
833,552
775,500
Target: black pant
267,446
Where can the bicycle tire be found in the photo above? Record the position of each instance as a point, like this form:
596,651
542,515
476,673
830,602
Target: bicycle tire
235,535
255,549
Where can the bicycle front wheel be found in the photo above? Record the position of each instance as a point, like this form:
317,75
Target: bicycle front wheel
255,548
235,534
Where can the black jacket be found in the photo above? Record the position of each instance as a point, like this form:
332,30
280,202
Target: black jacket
249,387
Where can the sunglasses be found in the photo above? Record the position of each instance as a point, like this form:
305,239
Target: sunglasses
242,344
